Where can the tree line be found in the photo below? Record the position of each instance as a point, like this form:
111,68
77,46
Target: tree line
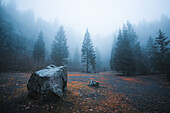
60,51
129,57
17,55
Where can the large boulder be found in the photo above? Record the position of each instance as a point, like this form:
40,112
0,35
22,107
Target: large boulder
46,82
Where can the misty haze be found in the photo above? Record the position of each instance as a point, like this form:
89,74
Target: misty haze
67,56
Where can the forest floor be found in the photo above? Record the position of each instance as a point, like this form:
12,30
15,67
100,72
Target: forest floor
115,93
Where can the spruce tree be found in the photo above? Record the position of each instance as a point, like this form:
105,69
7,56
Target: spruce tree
60,51
113,52
140,60
135,47
39,49
131,34
12,43
124,54
150,51
127,58
162,59
88,54
116,53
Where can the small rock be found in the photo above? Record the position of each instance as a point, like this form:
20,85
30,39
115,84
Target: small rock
93,83
52,107
27,107
91,110
47,106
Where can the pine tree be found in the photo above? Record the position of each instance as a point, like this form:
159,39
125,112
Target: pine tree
60,51
124,58
135,47
12,43
150,50
140,60
139,57
162,59
88,54
113,52
39,49
116,53
112,58
150,46
131,34
127,58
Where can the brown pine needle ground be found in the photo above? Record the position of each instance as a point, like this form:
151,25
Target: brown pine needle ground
114,94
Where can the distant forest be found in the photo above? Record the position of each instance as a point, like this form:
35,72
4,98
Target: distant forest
28,44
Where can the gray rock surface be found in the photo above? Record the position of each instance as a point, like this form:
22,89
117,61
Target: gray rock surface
46,82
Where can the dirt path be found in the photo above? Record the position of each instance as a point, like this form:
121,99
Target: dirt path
115,94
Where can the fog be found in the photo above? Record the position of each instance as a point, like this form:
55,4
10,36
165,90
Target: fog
102,18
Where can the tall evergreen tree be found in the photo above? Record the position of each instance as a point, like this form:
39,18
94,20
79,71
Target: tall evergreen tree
116,53
162,54
139,57
39,49
150,50
125,58
131,34
113,51
135,46
60,52
140,60
88,54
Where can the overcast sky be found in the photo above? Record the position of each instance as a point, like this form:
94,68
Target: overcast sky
100,16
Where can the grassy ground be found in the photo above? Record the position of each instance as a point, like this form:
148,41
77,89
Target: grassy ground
115,94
